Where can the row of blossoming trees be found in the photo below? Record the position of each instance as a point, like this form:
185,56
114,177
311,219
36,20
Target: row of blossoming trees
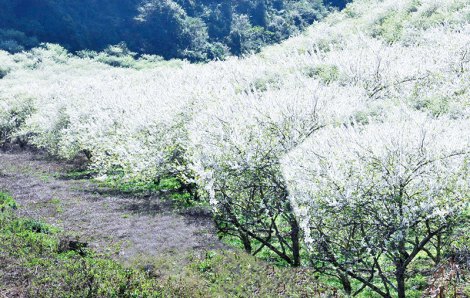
345,149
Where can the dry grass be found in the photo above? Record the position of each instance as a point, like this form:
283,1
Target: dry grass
176,251
103,217
37,261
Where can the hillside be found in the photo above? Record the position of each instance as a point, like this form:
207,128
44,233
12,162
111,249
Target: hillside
343,149
194,30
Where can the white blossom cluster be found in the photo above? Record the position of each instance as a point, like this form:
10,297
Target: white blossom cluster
355,103
404,170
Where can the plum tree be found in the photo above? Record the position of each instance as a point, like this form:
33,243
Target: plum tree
370,198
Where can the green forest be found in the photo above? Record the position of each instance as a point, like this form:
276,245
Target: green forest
196,30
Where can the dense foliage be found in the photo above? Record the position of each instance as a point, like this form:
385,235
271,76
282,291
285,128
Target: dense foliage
195,30
368,108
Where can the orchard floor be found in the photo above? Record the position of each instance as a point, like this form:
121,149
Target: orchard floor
140,226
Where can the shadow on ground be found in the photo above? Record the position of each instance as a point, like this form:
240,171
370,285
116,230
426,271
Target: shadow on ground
105,218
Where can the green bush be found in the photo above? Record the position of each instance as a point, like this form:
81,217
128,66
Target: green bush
15,41
326,73
7,203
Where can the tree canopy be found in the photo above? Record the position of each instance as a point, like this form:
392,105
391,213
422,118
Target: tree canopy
370,198
196,30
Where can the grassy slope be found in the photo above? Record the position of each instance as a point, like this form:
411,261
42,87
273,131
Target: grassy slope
389,23
36,227
37,262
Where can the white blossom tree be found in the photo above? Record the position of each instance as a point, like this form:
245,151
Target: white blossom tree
235,146
226,125
370,198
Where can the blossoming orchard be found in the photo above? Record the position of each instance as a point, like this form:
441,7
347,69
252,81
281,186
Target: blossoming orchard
344,149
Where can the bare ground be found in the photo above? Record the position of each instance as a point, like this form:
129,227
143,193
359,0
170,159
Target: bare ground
104,218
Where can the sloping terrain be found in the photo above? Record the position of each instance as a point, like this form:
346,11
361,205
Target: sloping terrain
194,30
160,251
383,83
103,217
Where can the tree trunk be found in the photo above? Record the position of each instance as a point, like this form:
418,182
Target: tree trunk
343,278
295,235
400,276
246,242
438,248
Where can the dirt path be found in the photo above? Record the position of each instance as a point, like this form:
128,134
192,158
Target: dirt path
139,225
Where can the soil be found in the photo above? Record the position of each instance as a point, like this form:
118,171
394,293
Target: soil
104,218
